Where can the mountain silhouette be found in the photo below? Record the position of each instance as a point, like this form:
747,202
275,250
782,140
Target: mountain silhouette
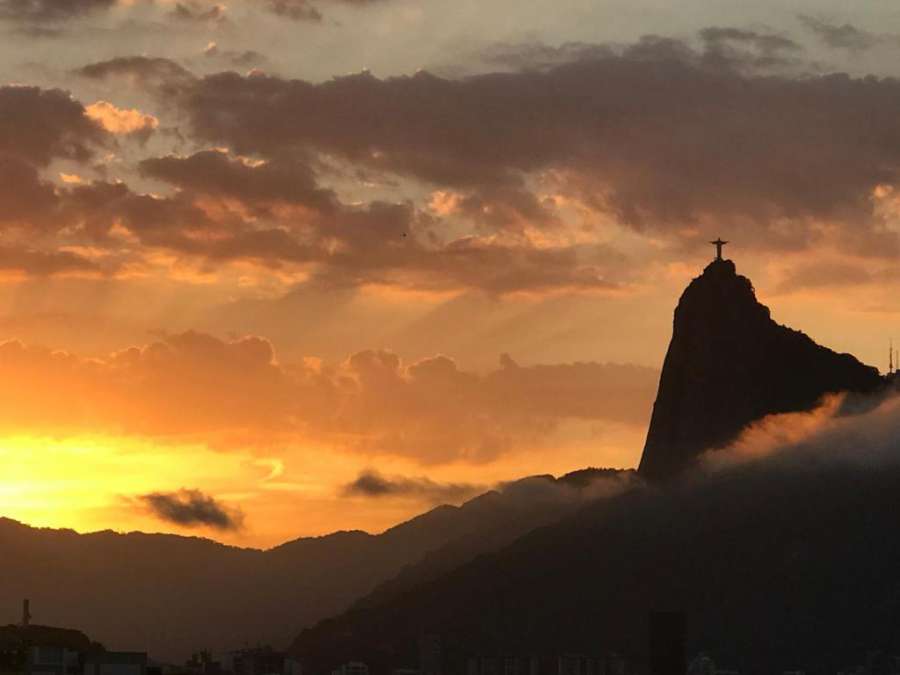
505,516
174,595
730,364
786,562
776,570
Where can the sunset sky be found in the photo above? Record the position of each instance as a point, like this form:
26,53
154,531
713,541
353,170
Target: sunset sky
273,268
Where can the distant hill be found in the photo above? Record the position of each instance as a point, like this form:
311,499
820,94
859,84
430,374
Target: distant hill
520,508
729,364
172,595
776,571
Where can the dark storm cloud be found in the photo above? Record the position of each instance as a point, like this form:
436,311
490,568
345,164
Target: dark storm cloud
192,508
844,36
657,134
371,483
37,125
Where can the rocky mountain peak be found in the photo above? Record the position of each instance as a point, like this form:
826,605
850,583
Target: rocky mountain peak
729,364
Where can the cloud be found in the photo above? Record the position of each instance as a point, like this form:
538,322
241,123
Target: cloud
84,215
664,137
576,487
188,383
274,211
122,121
236,393
56,222
746,50
850,430
38,125
256,184
239,59
298,10
43,263
824,275
193,12
844,36
658,135
50,11
304,10
351,245
162,76
372,484
440,413
41,18
26,198
721,48
192,508
540,56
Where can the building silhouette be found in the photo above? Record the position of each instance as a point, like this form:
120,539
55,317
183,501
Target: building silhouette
667,634
33,649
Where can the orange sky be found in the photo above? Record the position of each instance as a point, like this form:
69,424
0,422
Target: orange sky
249,263
86,433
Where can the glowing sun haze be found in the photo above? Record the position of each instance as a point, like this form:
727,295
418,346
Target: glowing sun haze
272,269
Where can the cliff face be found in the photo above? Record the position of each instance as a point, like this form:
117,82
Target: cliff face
729,364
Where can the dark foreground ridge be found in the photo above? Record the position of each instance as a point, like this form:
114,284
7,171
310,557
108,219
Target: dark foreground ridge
729,364
185,593
777,567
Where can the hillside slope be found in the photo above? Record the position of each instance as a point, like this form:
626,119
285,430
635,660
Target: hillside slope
776,570
173,595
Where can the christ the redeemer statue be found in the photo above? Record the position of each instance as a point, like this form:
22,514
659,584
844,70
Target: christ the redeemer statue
718,243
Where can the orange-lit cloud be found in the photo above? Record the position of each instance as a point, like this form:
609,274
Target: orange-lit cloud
847,429
121,120
235,394
83,439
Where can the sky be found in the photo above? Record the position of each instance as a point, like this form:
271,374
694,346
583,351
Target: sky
274,268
